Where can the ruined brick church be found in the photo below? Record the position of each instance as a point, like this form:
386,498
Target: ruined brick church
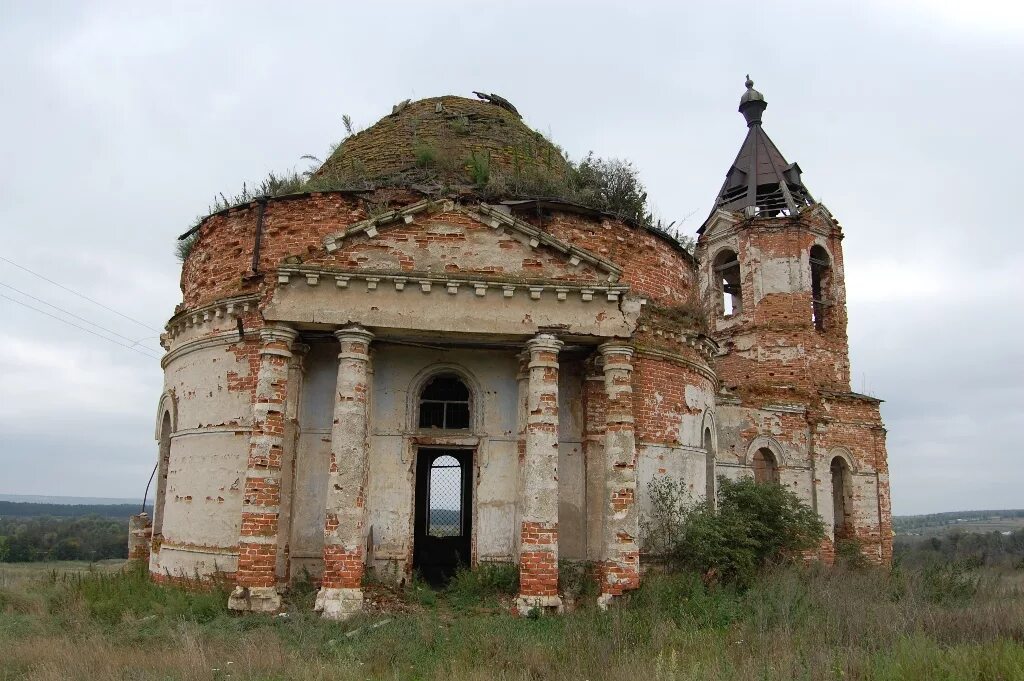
414,374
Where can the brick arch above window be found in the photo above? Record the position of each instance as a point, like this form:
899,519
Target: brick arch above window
168,404
769,443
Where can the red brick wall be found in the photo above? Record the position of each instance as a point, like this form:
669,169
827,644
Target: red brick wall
222,255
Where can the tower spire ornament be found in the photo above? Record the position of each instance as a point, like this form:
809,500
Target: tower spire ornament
752,104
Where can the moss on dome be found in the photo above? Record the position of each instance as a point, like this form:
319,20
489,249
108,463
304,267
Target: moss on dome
451,140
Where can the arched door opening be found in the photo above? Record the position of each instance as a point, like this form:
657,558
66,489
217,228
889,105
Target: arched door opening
766,468
443,522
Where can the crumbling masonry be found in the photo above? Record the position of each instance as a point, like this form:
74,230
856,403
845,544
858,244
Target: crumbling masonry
415,377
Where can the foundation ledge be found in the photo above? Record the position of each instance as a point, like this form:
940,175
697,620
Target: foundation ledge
339,604
527,604
255,599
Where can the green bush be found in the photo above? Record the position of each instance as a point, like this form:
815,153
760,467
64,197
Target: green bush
948,583
754,525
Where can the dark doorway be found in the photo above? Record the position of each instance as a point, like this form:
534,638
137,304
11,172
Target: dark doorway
444,503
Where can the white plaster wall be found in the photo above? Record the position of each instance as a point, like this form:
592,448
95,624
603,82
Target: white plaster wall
207,463
572,473
654,461
391,483
390,497
312,458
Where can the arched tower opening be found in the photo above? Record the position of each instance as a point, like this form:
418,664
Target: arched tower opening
841,498
821,283
726,271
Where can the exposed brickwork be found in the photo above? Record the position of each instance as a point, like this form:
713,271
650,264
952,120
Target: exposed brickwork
257,544
343,569
651,265
538,557
776,380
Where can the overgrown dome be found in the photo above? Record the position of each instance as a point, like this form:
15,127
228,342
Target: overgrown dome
449,140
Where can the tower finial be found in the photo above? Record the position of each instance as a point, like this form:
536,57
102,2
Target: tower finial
752,104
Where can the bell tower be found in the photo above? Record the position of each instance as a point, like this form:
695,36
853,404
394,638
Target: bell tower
771,272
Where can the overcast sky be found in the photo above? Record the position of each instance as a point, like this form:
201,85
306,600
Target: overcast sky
122,120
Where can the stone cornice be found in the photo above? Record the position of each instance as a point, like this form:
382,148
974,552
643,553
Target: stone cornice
221,309
450,283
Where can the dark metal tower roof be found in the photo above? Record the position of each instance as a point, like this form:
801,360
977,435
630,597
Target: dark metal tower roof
760,178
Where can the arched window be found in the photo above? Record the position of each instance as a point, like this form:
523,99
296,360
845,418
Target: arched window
766,468
726,271
709,453
841,497
163,462
821,283
444,403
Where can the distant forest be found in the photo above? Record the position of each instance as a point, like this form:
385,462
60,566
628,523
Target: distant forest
909,523
37,532
971,549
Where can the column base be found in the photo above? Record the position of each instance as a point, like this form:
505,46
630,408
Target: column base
604,600
255,599
526,605
339,604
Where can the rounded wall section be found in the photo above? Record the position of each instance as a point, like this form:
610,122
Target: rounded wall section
651,264
212,374
673,391
220,263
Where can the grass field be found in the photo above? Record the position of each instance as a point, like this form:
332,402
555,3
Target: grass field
63,622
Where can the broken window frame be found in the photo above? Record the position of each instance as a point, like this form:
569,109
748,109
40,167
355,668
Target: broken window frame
726,273
449,408
821,283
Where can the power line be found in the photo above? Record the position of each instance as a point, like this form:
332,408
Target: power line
80,295
98,335
72,314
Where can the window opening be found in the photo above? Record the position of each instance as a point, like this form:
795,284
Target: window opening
163,462
766,468
840,496
821,273
444,404
710,470
727,281
445,495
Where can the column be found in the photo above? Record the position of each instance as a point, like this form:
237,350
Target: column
620,565
256,578
538,550
341,594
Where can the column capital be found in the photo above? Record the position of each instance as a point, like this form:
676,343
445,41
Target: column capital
280,333
544,341
616,347
353,332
